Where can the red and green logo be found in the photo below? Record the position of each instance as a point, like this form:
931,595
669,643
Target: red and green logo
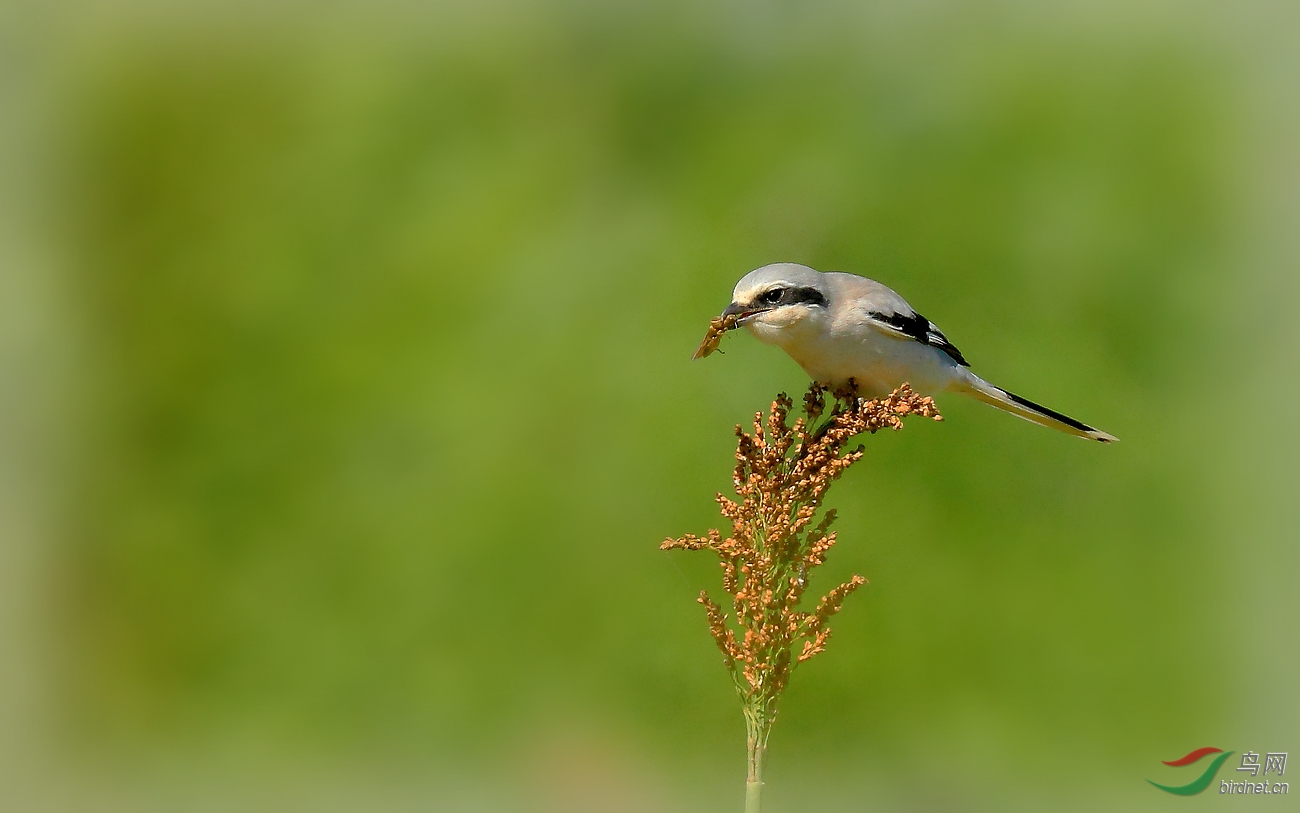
1203,781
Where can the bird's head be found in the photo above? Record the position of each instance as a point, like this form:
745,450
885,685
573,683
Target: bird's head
777,301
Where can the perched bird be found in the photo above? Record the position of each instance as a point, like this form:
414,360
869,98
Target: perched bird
845,330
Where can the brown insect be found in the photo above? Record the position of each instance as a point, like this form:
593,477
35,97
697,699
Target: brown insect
718,326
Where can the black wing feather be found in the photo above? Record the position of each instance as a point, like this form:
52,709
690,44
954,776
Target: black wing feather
922,330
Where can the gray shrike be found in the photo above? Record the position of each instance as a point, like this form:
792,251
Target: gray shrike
840,326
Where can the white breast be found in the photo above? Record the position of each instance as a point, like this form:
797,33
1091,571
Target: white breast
876,361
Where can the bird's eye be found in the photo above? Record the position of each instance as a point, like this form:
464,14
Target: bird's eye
771,297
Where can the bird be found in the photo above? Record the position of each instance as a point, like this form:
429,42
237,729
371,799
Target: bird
847,331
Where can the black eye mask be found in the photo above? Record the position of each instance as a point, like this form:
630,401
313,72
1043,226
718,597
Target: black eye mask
801,296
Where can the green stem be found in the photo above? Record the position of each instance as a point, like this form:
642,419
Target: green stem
757,726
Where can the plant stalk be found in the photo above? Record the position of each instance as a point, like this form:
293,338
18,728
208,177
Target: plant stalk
782,473
757,727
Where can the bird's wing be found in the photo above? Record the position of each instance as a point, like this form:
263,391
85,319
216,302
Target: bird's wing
914,326
878,305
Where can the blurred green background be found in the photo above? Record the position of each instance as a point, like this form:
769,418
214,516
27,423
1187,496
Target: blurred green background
347,394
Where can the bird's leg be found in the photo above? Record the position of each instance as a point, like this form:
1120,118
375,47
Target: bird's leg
846,397
849,392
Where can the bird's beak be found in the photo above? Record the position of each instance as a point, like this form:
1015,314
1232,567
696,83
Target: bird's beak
743,312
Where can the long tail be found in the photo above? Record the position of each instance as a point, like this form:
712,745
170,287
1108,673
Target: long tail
982,390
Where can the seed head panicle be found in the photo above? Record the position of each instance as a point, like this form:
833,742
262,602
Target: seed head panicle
783,471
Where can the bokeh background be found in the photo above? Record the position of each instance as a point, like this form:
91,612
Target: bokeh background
346,394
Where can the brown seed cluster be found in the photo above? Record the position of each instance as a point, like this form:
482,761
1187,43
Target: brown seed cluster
782,474
717,326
